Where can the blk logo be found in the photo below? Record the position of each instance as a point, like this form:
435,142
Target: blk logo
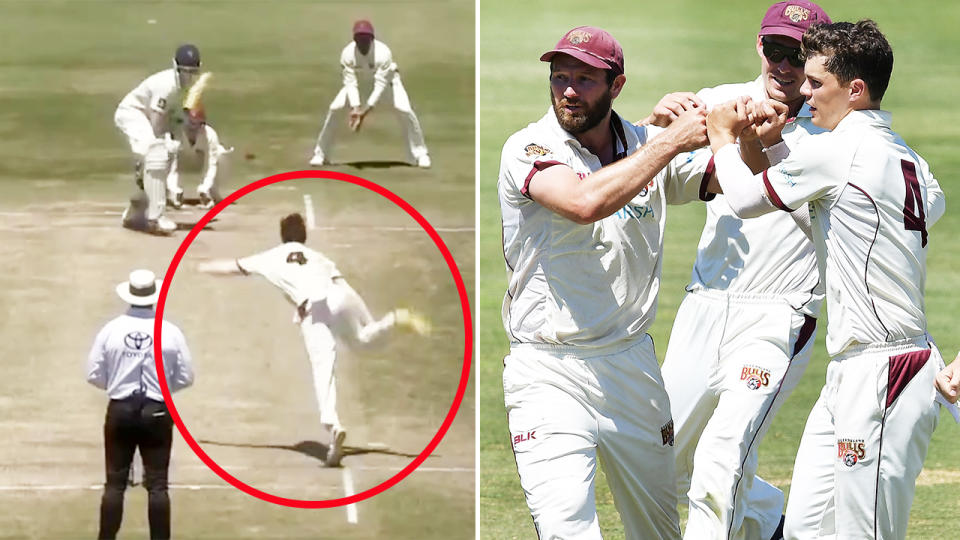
138,340
524,437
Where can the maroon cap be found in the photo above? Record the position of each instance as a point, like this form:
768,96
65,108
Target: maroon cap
590,45
791,19
362,26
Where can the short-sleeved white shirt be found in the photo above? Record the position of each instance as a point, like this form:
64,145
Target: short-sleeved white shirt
301,273
766,255
157,97
589,285
867,193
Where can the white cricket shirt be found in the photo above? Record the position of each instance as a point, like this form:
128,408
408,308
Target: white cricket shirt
868,195
589,285
766,255
300,272
121,360
377,65
156,97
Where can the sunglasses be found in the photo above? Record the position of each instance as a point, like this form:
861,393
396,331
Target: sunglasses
776,53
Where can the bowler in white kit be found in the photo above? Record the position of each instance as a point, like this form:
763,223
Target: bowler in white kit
869,211
328,311
583,196
369,60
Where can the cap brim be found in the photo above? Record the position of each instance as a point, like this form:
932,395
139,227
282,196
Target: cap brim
123,291
584,57
785,31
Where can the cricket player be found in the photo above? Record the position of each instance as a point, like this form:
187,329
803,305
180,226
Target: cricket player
121,363
145,116
866,190
366,58
200,149
744,333
328,311
583,196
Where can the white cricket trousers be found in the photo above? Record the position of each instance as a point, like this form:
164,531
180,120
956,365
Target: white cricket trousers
394,93
731,362
341,317
568,405
137,128
864,443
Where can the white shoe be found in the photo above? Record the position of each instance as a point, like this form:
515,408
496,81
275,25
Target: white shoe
335,450
412,320
423,161
175,199
206,200
162,226
318,160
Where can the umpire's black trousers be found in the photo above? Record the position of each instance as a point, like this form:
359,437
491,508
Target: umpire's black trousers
131,423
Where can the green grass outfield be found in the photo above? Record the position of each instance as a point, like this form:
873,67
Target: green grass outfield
65,176
688,45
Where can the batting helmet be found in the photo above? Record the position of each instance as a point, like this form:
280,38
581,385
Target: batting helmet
363,27
187,56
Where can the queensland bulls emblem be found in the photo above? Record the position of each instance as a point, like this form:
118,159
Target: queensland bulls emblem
535,150
755,377
666,432
851,451
796,13
578,36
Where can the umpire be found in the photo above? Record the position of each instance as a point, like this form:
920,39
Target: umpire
121,362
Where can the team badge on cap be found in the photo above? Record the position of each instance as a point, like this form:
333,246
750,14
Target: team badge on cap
851,451
796,13
533,149
578,36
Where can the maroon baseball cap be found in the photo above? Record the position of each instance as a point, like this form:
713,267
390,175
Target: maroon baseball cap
362,26
791,19
590,45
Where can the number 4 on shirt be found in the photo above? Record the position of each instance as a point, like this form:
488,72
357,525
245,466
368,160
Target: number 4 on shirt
914,218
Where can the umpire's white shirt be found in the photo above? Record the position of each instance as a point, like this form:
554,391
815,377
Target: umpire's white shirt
862,182
377,65
156,98
301,273
589,285
121,360
768,255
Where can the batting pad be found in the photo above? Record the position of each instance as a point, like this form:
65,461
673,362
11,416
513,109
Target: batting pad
155,168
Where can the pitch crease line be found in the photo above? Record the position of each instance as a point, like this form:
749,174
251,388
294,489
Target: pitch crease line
310,217
348,490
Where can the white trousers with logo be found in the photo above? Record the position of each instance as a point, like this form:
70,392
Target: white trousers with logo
394,94
731,362
864,443
565,408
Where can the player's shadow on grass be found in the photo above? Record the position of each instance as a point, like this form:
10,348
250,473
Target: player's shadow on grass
376,164
314,449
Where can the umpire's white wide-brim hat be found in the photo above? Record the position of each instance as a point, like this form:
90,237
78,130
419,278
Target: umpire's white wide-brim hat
142,289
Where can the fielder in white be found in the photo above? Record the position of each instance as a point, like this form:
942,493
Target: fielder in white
869,208
583,197
145,116
328,311
200,150
744,333
369,59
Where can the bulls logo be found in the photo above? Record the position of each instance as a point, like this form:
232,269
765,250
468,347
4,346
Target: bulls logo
755,377
138,340
535,150
666,432
796,13
578,36
851,451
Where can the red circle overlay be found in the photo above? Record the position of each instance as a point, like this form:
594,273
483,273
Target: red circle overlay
467,345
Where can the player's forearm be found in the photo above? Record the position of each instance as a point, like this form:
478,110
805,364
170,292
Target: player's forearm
745,192
609,189
220,267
